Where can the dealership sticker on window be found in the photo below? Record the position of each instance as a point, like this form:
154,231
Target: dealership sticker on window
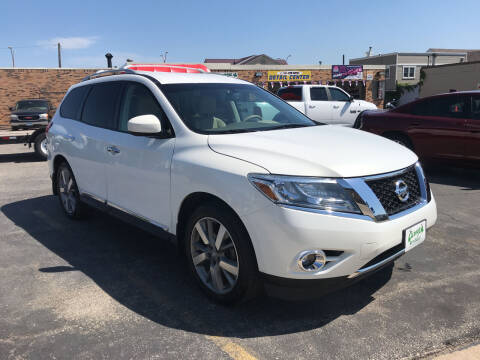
415,235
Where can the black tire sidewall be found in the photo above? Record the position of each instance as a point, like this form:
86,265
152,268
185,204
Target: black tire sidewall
247,282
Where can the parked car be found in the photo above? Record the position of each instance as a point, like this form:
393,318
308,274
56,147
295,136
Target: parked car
326,104
31,114
438,128
254,198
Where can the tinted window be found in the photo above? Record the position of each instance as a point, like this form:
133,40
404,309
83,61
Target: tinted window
318,94
71,105
445,106
32,105
476,107
138,100
338,95
291,94
99,109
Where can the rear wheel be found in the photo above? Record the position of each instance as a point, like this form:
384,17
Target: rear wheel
220,255
40,145
67,191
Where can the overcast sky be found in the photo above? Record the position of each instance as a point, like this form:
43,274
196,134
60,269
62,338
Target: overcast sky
309,31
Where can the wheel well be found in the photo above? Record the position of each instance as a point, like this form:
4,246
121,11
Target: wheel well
56,163
389,134
189,204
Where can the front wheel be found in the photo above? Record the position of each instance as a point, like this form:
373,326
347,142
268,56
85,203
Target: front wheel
220,255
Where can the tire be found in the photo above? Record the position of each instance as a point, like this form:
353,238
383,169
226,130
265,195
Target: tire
227,276
40,146
401,139
68,194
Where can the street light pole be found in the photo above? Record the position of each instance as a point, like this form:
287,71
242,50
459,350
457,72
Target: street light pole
12,52
286,59
59,49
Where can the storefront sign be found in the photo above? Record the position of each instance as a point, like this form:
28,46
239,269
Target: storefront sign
289,75
348,72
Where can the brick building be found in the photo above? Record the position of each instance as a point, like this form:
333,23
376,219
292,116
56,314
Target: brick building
23,83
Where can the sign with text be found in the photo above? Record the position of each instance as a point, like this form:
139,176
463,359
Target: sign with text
290,75
347,72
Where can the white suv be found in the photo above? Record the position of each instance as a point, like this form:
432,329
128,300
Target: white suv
255,194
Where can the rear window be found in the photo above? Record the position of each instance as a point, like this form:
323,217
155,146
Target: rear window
71,105
100,106
291,93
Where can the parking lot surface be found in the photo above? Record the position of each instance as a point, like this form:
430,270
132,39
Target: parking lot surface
100,288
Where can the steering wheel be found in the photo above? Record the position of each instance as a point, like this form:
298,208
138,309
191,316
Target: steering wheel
251,117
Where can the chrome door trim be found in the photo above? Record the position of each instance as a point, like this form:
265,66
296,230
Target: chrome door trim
138,216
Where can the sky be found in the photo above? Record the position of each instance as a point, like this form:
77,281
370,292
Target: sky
190,31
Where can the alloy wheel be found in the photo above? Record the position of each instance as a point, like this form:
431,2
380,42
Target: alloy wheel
67,191
214,255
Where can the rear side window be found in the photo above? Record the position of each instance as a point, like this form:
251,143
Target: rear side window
100,106
318,94
476,107
71,106
138,100
291,93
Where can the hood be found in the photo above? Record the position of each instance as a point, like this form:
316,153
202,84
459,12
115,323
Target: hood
326,151
366,105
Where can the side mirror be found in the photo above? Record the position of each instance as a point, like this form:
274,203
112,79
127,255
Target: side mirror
144,125
350,99
11,108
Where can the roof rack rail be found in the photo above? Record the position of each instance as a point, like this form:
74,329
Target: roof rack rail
102,73
174,68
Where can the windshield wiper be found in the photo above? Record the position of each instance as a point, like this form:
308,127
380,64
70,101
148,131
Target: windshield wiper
290,126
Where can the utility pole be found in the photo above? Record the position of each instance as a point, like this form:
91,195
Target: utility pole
164,56
59,55
12,52
343,59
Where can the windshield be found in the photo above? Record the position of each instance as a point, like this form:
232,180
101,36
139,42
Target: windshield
32,105
231,108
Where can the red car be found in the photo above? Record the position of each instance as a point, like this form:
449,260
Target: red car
442,127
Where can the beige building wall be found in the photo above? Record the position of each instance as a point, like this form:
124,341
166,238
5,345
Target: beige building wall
460,77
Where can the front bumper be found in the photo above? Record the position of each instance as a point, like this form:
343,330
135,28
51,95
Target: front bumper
29,124
291,232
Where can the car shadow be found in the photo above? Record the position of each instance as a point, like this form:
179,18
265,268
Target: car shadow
464,178
20,158
145,274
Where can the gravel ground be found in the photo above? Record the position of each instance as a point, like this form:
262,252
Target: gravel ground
103,289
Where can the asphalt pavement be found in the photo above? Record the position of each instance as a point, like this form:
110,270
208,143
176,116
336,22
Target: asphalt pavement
99,288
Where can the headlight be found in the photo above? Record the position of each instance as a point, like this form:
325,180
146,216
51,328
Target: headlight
317,193
13,117
44,116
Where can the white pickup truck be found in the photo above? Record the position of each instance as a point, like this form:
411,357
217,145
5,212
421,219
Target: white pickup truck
326,104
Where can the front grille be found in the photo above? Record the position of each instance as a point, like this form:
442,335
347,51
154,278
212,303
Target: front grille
28,117
384,188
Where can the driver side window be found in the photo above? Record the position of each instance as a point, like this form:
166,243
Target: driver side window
338,95
138,100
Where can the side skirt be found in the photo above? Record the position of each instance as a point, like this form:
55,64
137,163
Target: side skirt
128,218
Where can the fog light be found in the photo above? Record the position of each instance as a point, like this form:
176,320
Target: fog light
312,260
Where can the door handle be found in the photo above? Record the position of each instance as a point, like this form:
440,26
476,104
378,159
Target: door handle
70,137
353,111
113,150
336,106
311,106
415,124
